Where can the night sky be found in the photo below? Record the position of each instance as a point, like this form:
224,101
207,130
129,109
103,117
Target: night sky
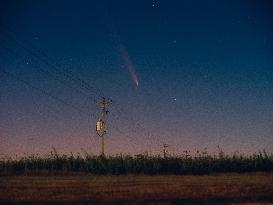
196,75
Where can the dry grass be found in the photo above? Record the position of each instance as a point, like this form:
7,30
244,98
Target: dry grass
201,163
239,189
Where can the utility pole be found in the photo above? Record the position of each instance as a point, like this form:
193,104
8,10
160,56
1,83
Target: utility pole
164,150
100,127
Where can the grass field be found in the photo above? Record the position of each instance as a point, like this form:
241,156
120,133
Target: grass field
200,163
253,188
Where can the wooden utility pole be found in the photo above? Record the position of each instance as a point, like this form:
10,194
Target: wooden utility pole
164,150
100,127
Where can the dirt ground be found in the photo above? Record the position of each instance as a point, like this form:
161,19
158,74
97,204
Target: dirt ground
239,189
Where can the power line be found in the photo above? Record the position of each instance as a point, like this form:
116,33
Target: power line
49,74
48,94
77,81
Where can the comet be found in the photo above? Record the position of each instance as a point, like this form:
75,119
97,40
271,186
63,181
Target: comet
120,47
128,63
124,56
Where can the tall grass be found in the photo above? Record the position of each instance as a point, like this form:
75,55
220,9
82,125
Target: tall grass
200,163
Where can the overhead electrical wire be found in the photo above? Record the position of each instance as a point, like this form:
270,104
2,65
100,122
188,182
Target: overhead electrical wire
49,74
48,94
44,58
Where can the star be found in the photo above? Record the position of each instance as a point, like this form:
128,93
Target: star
154,4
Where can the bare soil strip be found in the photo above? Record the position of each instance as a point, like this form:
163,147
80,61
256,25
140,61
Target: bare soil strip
138,189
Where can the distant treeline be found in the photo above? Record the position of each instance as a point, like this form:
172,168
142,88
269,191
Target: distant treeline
200,163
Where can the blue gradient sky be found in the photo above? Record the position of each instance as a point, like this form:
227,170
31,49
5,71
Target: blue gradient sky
205,71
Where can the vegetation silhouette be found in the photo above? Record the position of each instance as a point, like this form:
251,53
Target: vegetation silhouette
200,163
